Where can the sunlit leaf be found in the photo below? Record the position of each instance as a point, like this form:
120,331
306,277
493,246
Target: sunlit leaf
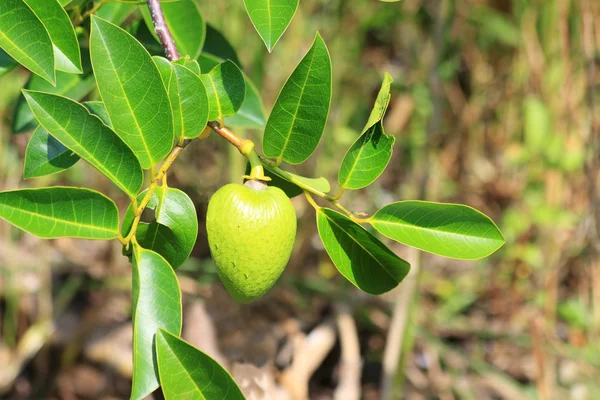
132,91
299,115
450,230
226,89
156,304
45,155
88,137
61,212
187,373
271,18
194,102
116,12
24,38
358,255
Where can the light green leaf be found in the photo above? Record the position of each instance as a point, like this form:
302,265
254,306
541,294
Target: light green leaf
7,63
55,19
132,91
174,231
24,38
194,102
358,255
450,230
299,115
536,124
61,212
366,159
86,135
226,89
156,304
72,86
271,18
187,373
116,13
381,103
190,64
45,155
185,23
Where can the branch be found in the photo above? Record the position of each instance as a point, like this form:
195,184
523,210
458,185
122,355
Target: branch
162,30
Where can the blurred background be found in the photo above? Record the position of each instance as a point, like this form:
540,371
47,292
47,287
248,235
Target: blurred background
495,104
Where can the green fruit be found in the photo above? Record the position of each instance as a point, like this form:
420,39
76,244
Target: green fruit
251,230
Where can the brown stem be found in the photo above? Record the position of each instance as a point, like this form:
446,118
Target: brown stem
227,134
162,30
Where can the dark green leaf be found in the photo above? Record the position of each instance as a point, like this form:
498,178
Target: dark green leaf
226,89
24,38
61,212
45,155
174,232
299,115
271,18
156,304
217,45
7,63
116,13
88,137
358,255
132,91
187,373
97,108
55,19
366,159
72,86
450,230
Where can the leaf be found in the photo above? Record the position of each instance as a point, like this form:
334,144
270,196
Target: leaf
299,115
226,89
86,135
192,65
116,13
217,45
156,304
193,100
174,231
7,63
132,91
24,38
366,159
381,103
536,124
55,19
45,155
97,108
358,255
72,86
284,180
61,212
271,18
187,373
185,23
450,230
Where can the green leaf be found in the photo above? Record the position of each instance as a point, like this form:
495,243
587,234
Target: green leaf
217,45
226,89
299,115
45,155
174,231
284,180
366,159
97,108
132,91
450,230
185,23
24,38
358,255
190,64
72,86
61,212
156,304
7,63
55,19
193,100
271,18
86,135
381,103
187,373
116,13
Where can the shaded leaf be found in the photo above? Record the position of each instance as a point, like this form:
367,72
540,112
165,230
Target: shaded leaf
7,63
132,91
97,108
299,115
271,18
450,230
88,137
156,304
21,29
116,12
226,89
45,155
187,373
55,19
285,181
358,255
217,45
61,212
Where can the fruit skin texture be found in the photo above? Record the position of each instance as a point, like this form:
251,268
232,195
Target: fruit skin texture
251,230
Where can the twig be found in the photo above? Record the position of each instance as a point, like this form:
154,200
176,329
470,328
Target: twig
162,30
